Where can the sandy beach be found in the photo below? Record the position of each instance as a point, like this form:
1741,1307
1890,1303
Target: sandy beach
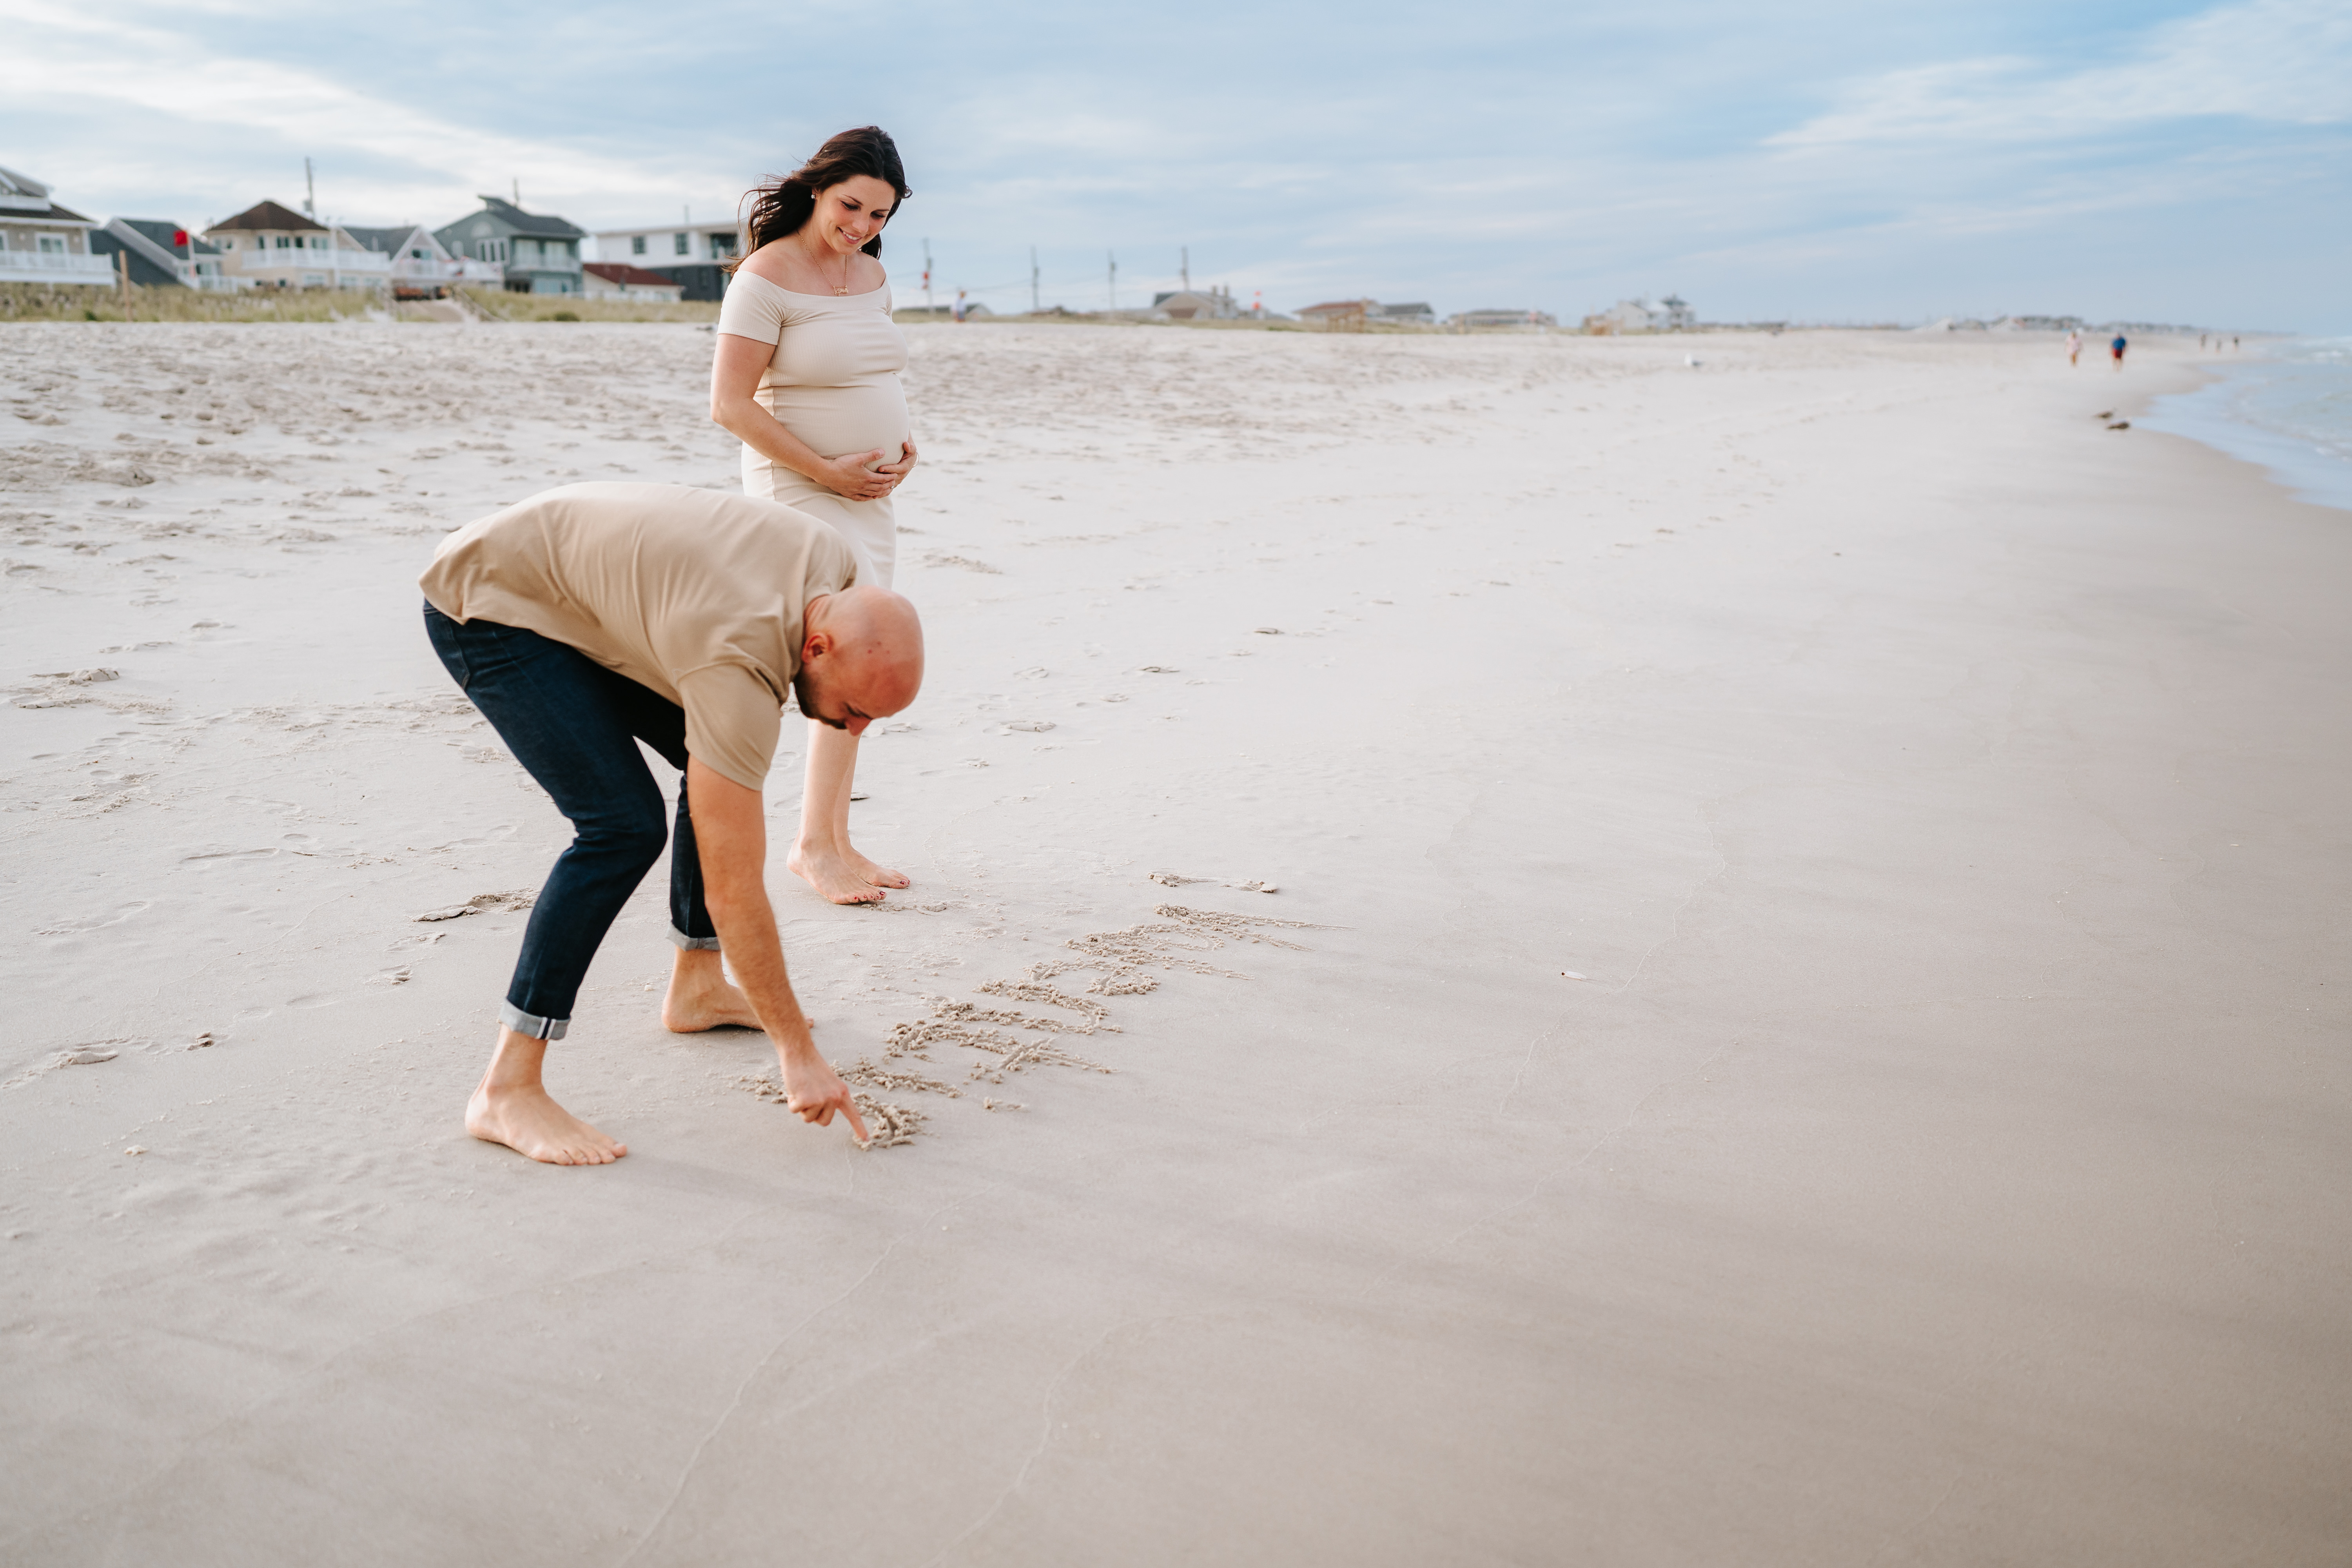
1801,1017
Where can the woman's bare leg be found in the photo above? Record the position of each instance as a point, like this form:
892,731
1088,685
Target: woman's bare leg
823,857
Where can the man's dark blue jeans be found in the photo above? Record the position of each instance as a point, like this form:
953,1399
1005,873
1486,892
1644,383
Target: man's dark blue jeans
575,726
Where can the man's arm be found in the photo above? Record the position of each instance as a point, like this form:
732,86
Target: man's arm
731,834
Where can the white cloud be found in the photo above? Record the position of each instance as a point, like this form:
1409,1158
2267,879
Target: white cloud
2287,61
68,59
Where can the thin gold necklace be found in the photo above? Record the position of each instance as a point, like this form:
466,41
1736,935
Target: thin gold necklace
842,287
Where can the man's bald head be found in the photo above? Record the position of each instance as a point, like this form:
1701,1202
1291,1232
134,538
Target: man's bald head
861,657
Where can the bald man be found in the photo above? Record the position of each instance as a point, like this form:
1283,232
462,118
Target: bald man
590,617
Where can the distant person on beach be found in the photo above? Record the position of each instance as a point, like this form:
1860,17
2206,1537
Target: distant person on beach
2073,348
806,374
2117,348
589,619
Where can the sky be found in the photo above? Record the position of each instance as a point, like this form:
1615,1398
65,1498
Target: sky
1818,161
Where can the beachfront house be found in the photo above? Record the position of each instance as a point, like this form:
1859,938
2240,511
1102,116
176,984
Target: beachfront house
687,255
537,253
422,267
1197,305
41,242
160,254
619,280
1671,314
1358,312
272,246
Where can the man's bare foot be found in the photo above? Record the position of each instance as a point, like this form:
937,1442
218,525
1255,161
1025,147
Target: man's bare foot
845,877
526,1121
701,997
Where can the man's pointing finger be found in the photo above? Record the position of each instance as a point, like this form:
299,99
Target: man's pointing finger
856,1122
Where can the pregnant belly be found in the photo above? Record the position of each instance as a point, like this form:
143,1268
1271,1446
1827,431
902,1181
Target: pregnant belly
837,419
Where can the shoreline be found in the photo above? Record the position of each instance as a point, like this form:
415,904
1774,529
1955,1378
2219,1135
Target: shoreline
2212,415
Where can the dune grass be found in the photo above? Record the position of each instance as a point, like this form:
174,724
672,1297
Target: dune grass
500,306
52,302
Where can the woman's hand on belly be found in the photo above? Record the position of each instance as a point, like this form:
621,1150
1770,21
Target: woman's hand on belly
853,474
899,469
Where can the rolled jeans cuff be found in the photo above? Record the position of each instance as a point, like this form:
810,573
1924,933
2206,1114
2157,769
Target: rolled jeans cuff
693,943
531,1024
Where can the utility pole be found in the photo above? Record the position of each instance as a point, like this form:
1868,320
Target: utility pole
1184,268
1033,305
310,191
1114,279
927,277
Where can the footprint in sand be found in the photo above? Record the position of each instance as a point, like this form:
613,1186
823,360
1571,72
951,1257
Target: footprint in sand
521,899
120,913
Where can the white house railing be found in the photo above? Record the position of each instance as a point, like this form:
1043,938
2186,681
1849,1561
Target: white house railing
55,266
272,259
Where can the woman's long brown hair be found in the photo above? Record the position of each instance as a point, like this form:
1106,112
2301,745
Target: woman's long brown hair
783,206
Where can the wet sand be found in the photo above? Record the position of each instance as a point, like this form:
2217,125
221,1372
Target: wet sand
1808,1025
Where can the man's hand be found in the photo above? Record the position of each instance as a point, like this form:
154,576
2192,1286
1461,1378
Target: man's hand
731,831
813,1091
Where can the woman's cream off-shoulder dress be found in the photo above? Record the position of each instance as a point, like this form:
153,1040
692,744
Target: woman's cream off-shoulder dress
834,383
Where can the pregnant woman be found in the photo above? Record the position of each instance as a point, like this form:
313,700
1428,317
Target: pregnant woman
806,376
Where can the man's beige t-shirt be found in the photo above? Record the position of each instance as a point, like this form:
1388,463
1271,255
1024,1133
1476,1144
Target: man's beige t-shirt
696,595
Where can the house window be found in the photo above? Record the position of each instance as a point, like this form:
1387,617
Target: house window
50,244
722,245
636,244
684,243
283,242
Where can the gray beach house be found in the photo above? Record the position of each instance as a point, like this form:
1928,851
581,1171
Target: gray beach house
41,242
540,252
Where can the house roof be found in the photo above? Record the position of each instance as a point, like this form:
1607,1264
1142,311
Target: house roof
634,276
382,241
522,222
1331,305
26,200
270,215
170,235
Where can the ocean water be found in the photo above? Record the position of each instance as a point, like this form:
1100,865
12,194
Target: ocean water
2289,411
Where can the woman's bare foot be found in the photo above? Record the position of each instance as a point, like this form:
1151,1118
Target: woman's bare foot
524,1119
876,875
843,875
701,996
